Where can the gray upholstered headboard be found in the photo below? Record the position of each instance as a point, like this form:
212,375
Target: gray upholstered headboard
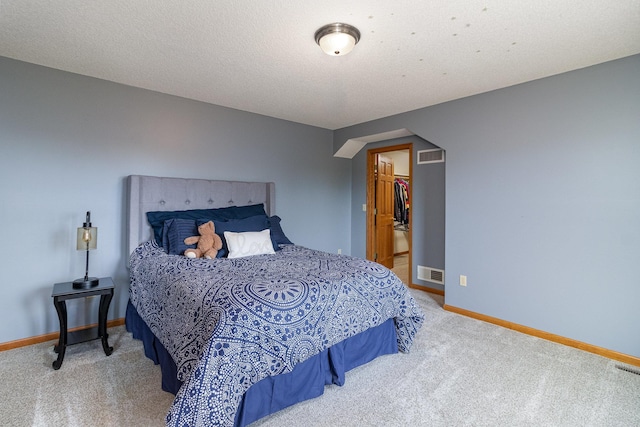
151,193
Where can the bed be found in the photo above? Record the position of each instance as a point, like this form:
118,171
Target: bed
246,335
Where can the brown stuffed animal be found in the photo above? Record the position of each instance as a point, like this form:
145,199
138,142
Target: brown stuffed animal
209,243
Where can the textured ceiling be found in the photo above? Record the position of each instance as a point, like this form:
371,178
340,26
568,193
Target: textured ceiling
260,56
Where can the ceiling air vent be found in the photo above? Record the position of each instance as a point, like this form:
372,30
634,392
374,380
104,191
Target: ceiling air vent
431,274
430,156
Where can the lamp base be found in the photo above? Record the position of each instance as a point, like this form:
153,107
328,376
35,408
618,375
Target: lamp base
85,283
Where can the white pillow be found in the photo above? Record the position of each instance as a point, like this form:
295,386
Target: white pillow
249,243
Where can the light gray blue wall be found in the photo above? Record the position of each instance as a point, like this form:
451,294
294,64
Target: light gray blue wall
543,201
427,208
542,190
67,142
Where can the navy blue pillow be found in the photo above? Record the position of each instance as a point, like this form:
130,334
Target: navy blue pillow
241,212
174,232
157,218
253,223
277,235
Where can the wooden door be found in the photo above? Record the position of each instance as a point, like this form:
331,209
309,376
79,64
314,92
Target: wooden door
384,191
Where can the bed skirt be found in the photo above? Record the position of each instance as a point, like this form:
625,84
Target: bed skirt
306,381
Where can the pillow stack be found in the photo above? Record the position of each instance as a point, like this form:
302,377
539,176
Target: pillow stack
245,230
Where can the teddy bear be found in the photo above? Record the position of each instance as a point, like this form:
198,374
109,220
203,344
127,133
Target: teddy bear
209,243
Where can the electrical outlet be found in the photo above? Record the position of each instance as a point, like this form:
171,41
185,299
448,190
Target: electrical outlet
463,280
339,251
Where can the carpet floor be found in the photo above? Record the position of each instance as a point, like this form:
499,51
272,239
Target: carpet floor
460,372
401,267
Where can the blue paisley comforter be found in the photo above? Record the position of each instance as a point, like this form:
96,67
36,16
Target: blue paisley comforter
228,323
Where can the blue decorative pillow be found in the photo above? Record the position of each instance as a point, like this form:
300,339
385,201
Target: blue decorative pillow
174,232
241,212
157,218
253,223
277,235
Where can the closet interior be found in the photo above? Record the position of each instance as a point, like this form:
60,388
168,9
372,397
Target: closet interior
401,213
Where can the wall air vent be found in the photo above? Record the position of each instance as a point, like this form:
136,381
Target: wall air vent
431,274
430,156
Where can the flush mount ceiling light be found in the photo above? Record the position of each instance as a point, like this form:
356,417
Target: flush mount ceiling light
337,39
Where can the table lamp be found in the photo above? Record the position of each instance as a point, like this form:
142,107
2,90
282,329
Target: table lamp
87,240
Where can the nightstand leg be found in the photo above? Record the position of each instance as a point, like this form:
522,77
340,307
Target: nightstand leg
61,308
105,300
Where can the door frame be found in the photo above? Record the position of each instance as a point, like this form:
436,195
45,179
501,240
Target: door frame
371,162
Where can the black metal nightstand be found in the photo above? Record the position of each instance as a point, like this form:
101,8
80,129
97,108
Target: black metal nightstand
65,291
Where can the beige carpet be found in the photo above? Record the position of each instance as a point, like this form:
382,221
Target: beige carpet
401,267
90,389
460,372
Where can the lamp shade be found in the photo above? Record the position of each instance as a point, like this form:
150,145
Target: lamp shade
87,238
337,39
